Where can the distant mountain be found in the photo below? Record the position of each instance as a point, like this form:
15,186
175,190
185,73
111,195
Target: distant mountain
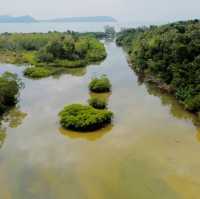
20,19
82,19
30,19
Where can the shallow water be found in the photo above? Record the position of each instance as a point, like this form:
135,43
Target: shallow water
150,151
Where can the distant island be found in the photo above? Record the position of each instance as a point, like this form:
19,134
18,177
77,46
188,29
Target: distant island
30,19
83,19
20,19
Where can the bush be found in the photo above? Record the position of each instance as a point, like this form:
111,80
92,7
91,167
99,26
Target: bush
98,103
100,85
96,51
84,118
38,72
9,88
44,56
193,104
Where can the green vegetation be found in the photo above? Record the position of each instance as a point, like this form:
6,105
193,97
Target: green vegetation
168,55
9,88
53,49
84,118
100,85
38,72
97,102
126,37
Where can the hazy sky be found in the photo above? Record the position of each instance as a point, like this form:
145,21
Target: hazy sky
132,10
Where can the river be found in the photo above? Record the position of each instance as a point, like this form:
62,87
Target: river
150,151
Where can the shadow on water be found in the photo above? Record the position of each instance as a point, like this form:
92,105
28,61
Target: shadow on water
90,136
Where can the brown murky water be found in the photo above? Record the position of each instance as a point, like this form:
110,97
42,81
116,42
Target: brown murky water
150,152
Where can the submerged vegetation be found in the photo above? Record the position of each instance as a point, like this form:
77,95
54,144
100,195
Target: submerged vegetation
53,49
9,89
100,85
84,118
169,56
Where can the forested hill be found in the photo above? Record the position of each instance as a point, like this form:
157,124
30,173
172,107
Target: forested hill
168,55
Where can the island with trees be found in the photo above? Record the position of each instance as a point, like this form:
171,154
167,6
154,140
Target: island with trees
49,53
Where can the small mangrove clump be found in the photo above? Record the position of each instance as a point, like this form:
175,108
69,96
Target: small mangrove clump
84,118
98,103
100,85
38,72
9,89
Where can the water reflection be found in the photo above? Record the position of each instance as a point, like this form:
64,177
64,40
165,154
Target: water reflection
176,109
198,134
105,96
89,136
14,118
71,71
2,136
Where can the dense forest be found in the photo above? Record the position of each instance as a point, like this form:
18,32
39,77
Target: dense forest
169,56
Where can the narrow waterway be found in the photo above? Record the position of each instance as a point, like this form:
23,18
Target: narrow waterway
150,151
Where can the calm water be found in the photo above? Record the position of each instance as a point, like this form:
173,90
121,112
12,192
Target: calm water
150,152
80,27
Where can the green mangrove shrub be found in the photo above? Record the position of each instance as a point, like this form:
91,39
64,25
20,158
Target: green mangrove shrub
97,102
9,89
84,118
38,72
100,85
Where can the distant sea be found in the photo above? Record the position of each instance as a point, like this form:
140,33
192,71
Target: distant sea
79,27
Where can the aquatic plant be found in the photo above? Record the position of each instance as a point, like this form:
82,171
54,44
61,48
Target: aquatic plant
84,118
100,85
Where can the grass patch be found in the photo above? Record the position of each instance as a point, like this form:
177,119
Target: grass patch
84,118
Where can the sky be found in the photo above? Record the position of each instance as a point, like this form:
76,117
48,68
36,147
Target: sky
122,10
